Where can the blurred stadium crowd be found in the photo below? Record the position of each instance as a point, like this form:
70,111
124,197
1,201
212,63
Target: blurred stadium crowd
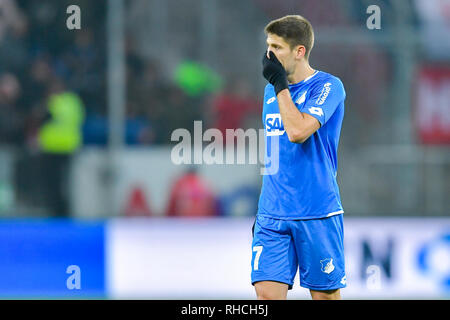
40,57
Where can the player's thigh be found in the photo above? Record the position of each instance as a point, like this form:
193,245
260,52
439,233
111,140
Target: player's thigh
320,251
273,252
271,290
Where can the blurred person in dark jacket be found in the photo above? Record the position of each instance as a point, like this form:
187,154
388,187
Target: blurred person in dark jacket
11,120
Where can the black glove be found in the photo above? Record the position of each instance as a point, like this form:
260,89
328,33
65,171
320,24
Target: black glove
274,72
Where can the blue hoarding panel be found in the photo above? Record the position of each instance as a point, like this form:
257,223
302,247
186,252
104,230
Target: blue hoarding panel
52,258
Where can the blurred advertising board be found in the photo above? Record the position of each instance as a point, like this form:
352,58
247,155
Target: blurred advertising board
52,258
145,179
208,258
399,258
432,105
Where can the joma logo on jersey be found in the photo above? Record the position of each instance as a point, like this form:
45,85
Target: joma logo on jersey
316,110
324,94
274,126
271,100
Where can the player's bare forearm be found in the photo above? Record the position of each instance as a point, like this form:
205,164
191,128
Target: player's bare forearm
290,115
299,126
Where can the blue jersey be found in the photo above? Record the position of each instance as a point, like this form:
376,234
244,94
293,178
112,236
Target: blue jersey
304,185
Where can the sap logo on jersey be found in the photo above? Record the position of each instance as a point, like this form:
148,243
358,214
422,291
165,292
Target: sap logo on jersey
274,126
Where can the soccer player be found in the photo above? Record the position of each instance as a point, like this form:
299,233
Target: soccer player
299,223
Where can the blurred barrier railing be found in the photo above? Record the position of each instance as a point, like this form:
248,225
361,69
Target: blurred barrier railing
384,180
396,180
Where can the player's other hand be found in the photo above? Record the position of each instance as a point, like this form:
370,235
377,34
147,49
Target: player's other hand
274,72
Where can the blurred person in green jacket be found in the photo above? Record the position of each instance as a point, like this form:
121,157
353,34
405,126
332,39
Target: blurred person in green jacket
59,138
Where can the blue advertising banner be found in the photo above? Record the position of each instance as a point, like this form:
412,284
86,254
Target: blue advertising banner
50,258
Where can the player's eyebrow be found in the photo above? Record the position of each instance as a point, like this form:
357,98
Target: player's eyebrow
273,45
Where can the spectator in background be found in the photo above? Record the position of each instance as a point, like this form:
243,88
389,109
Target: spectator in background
171,109
82,67
11,124
196,79
145,81
138,130
14,51
191,196
140,93
234,107
59,138
138,126
36,82
10,17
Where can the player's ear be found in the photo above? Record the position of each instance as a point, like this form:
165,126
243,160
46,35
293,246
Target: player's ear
300,51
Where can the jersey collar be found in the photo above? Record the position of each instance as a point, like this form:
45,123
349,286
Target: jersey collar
305,80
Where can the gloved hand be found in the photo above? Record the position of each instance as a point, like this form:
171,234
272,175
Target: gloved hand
274,72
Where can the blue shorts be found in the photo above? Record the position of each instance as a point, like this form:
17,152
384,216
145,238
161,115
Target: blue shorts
315,247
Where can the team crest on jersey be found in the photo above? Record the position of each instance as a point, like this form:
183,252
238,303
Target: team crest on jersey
274,126
327,265
301,99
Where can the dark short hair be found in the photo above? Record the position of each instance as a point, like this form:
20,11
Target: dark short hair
295,30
